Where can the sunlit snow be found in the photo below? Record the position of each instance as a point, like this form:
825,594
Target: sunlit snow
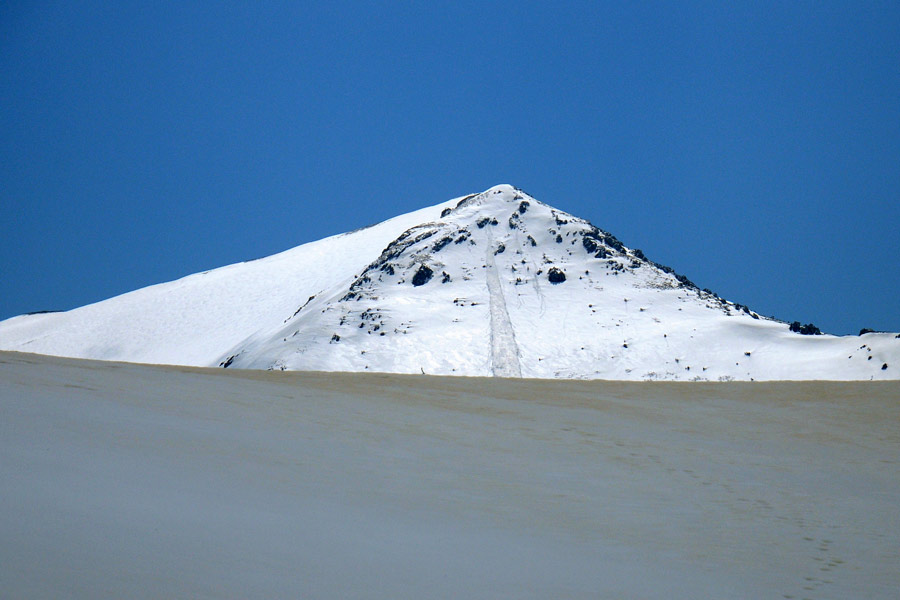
495,283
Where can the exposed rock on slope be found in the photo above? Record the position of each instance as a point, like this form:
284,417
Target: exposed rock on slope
495,283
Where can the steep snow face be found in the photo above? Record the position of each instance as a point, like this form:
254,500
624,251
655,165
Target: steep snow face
495,283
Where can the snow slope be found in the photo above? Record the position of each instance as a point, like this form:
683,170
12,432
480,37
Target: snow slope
135,481
495,283
191,321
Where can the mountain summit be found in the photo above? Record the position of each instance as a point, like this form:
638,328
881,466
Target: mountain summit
495,283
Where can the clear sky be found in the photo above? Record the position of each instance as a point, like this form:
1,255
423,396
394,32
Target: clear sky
754,147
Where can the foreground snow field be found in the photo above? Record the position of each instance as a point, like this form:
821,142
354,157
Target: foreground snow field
124,480
495,283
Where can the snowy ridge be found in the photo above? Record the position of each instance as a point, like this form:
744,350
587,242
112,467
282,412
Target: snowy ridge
495,283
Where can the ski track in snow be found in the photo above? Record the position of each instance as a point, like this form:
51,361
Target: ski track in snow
504,350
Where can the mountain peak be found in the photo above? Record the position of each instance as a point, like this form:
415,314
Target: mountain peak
495,283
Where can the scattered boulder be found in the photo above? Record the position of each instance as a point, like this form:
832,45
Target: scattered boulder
445,277
555,275
445,212
523,206
500,249
422,276
884,367
866,330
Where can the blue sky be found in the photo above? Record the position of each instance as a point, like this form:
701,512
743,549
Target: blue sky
753,147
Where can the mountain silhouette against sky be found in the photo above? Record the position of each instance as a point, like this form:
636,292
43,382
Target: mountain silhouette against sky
490,284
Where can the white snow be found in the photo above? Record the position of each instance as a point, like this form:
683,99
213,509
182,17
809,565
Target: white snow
349,303
504,350
133,481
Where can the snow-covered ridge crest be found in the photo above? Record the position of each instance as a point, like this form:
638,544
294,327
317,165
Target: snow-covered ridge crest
495,283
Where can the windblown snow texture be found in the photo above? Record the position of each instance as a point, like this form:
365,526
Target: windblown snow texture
495,283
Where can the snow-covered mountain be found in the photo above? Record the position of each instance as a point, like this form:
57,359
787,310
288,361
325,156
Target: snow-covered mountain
495,283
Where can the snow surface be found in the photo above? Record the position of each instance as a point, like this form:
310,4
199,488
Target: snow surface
364,301
134,481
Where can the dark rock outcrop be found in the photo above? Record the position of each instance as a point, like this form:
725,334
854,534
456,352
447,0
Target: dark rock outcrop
555,275
422,276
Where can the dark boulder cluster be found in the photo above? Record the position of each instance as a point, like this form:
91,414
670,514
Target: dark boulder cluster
422,276
808,329
596,243
685,282
555,275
